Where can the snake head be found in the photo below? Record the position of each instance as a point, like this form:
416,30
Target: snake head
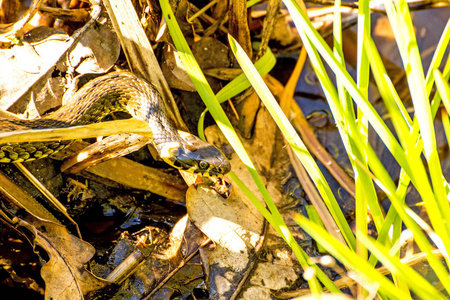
195,156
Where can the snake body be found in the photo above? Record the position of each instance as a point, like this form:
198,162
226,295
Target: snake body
118,91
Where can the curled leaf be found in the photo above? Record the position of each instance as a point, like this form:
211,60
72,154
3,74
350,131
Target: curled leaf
64,273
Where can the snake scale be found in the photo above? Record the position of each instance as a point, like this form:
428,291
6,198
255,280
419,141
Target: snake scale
118,91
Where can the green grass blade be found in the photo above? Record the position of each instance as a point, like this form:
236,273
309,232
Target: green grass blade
400,17
308,32
415,281
293,139
224,124
443,88
238,85
369,277
438,55
241,83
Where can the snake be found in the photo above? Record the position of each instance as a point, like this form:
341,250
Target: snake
126,92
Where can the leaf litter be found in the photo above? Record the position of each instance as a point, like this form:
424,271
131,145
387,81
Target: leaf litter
246,260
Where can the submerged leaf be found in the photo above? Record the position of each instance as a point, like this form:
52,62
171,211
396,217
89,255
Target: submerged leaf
64,273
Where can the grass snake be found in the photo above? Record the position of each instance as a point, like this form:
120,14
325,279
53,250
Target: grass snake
118,91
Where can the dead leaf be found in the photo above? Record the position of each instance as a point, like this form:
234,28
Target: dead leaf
9,11
247,270
64,273
167,257
30,81
175,72
247,110
210,53
98,49
228,222
23,66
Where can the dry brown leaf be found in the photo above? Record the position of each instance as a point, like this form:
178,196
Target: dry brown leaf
23,67
175,72
234,224
252,274
228,222
9,11
210,53
168,255
98,49
247,110
64,273
28,81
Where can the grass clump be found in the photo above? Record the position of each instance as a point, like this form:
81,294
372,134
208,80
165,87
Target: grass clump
411,140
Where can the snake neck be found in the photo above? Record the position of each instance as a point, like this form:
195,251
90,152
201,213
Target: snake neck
108,94
118,91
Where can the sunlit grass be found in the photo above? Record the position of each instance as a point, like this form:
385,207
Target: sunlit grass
350,106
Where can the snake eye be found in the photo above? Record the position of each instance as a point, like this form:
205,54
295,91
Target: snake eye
203,165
